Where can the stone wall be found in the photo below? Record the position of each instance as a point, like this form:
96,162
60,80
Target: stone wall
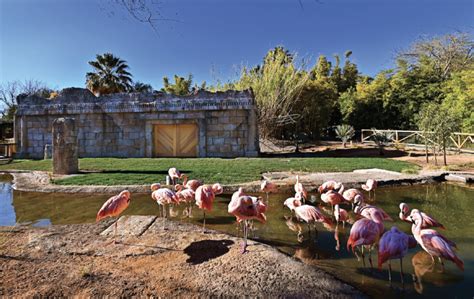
121,125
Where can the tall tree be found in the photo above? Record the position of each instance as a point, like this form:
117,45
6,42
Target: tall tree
350,73
448,53
322,68
110,75
336,73
181,86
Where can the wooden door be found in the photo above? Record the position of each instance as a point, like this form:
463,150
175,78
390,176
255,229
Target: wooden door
180,140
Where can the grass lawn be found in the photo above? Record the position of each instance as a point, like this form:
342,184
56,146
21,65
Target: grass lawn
116,171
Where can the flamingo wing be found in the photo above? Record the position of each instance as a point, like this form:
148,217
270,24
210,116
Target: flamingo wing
429,221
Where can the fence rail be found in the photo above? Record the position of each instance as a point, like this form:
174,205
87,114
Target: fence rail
463,142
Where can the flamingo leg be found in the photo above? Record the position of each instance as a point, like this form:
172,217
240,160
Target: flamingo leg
115,232
370,258
401,271
389,272
363,256
244,245
204,222
267,198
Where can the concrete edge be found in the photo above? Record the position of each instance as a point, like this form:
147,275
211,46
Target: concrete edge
40,181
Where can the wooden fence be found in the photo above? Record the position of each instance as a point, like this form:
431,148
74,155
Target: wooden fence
461,142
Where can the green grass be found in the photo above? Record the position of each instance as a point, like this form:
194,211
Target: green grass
116,171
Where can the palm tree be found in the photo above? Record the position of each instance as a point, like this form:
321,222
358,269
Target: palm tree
110,75
345,133
142,87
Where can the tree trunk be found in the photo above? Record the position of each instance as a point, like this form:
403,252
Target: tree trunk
426,153
435,156
444,152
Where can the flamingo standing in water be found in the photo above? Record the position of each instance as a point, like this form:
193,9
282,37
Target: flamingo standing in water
368,211
331,185
174,175
299,188
394,244
113,207
428,221
245,208
369,186
333,198
205,196
350,194
365,233
340,215
433,242
308,214
190,184
187,196
268,187
163,197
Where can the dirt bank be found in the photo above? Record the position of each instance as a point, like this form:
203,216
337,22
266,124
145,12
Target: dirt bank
154,258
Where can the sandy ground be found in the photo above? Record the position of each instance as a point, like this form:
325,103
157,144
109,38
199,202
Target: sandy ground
154,258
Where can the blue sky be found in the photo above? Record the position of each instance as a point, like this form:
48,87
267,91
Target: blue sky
52,40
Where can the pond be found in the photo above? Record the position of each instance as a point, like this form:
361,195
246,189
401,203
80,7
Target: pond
451,204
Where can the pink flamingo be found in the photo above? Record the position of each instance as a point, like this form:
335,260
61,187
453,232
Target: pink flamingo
310,215
428,221
333,198
174,174
368,211
292,202
394,244
434,243
331,185
268,187
113,207
341,215
163,197
205,196
185,195
365,233
350,194
190,184
246,208
299,188
369,186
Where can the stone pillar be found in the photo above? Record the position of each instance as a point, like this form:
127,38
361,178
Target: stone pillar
65,152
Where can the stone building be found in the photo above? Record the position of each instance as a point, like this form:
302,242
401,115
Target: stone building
221,124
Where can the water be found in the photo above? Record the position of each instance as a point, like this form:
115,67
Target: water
451,204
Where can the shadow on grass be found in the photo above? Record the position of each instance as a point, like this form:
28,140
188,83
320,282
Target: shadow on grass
342,153
203,251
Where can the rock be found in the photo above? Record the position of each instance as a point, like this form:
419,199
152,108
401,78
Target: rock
65,153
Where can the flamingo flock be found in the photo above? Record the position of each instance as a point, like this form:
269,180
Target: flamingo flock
367,233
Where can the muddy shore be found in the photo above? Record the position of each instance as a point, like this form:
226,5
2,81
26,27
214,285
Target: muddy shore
155,257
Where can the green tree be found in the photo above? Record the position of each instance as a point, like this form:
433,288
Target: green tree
276,85
110,75
336,74
440,122
459,96
314,105
350,73
181,86
322,68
